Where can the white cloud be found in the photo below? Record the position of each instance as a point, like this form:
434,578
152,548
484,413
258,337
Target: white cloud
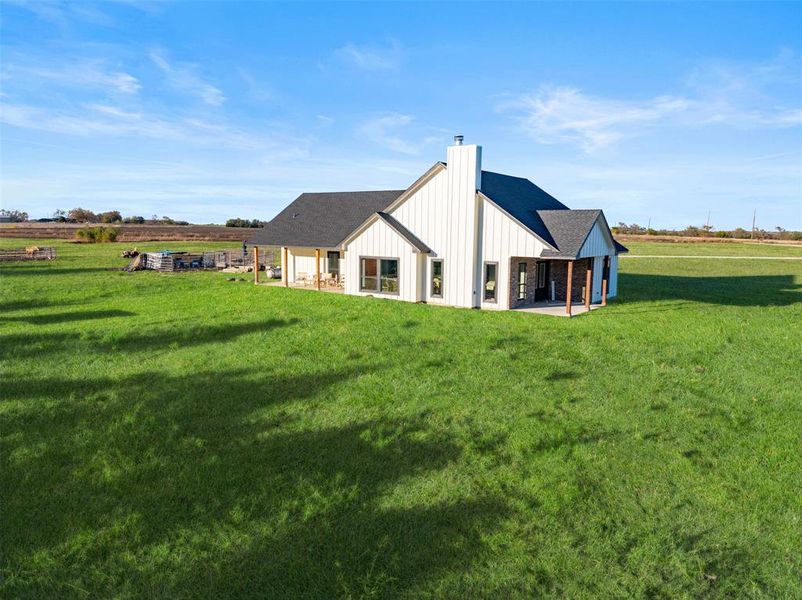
109,120
737,96
183,77
557,114
370,58
386,130
76,73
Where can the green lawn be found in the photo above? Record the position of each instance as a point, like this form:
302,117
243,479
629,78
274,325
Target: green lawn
184,436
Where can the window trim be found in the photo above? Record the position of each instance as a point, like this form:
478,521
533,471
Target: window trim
431,278
379,260
484,282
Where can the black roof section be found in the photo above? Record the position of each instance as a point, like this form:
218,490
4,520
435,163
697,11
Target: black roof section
404,232
322,219
619,247
521,198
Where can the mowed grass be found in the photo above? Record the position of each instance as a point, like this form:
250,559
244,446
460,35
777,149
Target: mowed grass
184,436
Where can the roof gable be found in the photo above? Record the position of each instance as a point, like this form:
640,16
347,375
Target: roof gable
322,219
405,233
569,228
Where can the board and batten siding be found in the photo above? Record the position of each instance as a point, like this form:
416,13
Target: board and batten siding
598,242
444,214
379,240
501,239
612,285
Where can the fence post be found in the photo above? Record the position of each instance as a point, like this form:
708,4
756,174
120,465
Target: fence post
256,265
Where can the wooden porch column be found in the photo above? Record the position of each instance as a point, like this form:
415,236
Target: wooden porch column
605,275
256,265
317,267
285,268
568,286
588,282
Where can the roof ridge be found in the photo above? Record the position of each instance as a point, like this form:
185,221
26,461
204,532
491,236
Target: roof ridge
353,192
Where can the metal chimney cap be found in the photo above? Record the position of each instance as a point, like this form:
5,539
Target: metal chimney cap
458,140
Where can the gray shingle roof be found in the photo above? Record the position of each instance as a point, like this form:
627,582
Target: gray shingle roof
569,229
322,219
404,232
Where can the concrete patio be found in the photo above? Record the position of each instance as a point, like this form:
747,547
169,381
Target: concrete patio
556,309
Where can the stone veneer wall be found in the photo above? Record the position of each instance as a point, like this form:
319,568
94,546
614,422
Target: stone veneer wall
559,273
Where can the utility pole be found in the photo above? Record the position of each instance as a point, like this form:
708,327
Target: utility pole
754,215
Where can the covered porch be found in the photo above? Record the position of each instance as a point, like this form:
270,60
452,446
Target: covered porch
558,286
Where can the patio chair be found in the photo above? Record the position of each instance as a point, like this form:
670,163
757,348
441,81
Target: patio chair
301,277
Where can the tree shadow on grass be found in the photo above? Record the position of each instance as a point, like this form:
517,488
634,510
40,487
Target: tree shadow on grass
6,307
212,484
66,317
49,269
751,290
27,345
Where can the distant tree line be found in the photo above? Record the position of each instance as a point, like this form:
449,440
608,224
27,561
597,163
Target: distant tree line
707,230
245,223
14,216
84,215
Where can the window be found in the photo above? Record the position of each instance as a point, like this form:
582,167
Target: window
541,275
378,275
389,276
490,282
333,262
522,281
437,279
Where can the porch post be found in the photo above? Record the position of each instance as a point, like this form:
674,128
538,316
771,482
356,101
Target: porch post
317,267
285,268
605,275
568,287
588,281
256,265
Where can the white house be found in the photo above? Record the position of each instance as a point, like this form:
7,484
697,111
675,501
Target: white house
458,236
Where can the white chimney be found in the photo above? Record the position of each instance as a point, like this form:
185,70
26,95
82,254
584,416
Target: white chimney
461,208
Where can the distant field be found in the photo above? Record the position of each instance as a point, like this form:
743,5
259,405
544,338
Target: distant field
128,233
711,249
178,435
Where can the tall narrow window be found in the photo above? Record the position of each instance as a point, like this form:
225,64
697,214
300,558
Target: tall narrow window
541,275
437,279
491,269
368,275
389,276
522,281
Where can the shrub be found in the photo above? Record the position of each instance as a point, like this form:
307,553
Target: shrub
95,235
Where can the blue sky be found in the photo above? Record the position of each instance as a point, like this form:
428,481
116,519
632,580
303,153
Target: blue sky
205,111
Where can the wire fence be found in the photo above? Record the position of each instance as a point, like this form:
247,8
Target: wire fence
29,253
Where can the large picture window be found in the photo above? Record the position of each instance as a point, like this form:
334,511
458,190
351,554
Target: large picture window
437,279
378,275
491,271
